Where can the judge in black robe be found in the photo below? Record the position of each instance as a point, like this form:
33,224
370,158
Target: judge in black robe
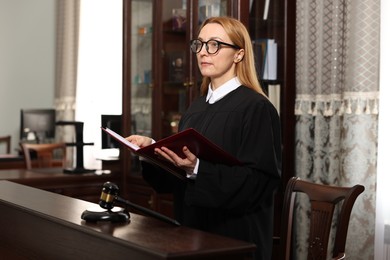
234,201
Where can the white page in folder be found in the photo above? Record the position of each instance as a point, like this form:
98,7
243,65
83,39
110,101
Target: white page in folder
123,140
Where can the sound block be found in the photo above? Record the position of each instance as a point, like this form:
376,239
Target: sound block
78,171
116,215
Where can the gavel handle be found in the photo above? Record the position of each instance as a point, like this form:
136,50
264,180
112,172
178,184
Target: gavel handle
148,211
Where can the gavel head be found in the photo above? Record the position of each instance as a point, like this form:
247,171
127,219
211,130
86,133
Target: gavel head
108,196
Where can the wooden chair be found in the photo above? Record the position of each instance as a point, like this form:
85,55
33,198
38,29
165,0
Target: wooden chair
7,141
44,154
323,199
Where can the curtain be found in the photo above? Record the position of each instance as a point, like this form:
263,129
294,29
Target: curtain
67,41
68,12
337,109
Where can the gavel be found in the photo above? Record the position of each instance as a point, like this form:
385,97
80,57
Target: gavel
107,199
109,194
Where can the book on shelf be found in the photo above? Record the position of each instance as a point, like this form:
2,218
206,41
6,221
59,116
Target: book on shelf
270,65
196,143
266,55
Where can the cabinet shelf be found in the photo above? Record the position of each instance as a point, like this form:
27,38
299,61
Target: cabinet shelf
175,32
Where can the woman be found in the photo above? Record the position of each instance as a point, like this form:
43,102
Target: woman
234,113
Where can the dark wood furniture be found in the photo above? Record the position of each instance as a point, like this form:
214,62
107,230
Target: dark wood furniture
36,224
141,193
7,141
45,154
86,186
12,161
280,25
15,161
323,200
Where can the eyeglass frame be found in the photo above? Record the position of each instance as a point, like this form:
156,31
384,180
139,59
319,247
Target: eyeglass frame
207,48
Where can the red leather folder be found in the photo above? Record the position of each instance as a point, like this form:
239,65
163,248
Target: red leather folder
196,143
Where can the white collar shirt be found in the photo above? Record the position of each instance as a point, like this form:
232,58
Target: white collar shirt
219,93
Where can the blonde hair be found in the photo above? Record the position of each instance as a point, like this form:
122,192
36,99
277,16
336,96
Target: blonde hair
245,69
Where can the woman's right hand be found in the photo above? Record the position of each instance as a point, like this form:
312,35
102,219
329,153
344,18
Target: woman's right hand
140,140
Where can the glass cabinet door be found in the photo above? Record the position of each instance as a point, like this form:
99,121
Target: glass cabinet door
141,66
172,94
180,80
139,69
210,8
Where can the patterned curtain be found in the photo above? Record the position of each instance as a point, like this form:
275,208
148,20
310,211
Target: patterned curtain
337,108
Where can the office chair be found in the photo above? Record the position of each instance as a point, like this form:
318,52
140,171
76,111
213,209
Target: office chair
45,154
323,199
7,141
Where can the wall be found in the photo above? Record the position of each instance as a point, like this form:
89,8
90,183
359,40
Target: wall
99,78
27,60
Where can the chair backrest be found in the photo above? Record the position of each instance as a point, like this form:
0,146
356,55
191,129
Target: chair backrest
323,199
7,141
45,154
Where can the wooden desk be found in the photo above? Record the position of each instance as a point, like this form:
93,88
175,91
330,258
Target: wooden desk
87,186
14,161
36,224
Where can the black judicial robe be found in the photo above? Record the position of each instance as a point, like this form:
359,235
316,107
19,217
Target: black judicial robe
232,201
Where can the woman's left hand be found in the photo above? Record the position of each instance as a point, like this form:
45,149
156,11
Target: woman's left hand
187,164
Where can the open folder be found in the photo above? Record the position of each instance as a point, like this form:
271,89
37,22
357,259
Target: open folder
196,143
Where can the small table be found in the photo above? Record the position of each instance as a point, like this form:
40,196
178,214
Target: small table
85,186
15,161
11,161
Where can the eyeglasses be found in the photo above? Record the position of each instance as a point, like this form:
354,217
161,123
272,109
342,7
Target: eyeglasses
212,46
